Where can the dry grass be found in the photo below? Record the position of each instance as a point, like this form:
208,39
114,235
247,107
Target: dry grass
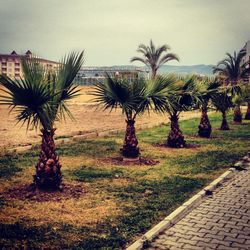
91,209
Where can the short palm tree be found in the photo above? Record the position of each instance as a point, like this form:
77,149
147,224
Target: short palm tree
222,101
205,89
133,98
246,99
237,100
177,96
154,57
40,99
181,100
234,72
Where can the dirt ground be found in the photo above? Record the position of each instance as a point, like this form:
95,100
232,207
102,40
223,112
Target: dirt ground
87,119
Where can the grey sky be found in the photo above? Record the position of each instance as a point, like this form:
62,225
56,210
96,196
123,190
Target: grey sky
199,31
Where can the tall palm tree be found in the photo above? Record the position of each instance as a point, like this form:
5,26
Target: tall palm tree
205,89
222,101
154,57
133,98
39,99
234,72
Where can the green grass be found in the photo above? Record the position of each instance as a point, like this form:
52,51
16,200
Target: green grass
89,174
24,237
95,148
204,161
149,198
12,163
143,194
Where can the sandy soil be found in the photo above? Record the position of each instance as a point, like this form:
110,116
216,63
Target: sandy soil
87,119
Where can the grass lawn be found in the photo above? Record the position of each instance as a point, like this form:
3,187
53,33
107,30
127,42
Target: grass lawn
119,202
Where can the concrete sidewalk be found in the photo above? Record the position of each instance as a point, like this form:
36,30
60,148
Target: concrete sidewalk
221,221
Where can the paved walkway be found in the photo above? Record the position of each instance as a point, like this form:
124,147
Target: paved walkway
222,221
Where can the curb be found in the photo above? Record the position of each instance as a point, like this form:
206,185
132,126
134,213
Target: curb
184,209
90,135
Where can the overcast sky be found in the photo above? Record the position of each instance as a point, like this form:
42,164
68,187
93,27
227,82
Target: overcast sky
199,31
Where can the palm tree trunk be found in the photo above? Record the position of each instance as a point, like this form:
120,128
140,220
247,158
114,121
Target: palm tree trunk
205,127
48,169
247,116
237,114
154,70
224,124
130,147
175,137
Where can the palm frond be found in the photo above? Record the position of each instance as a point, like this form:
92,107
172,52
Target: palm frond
166,58
222,101
29,97
133,59
231,67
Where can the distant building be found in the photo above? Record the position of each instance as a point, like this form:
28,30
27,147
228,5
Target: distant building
246,58
10,64
91,75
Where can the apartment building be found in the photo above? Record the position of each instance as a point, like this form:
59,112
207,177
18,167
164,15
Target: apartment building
10,64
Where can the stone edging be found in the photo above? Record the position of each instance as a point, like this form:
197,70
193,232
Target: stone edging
184,209
90,135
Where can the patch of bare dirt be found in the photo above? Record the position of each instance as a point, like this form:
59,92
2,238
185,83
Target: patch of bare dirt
128,162
29,192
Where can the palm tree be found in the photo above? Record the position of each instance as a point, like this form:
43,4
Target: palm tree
154,57
222,102
247,116
246,98
205,89
234,72
133,98
176,96
181,100
40,99
237,100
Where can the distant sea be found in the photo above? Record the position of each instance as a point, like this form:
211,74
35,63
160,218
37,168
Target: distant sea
198,69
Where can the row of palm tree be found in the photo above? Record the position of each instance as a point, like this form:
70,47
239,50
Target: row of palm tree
40,99
231,70
234,72
169,95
